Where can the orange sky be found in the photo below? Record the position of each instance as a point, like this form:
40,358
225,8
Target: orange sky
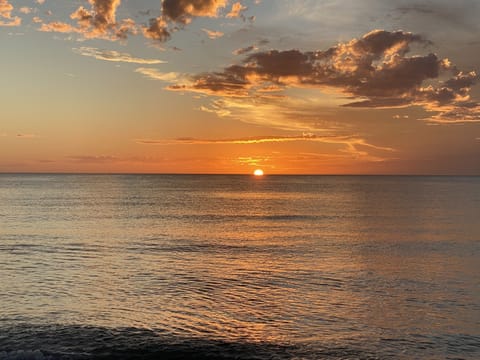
218,86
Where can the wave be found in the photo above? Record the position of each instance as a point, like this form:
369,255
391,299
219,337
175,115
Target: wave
82,342
76,342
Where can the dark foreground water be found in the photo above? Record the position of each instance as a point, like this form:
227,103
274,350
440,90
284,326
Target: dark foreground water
279,267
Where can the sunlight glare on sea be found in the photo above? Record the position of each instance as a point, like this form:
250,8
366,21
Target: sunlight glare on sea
229,266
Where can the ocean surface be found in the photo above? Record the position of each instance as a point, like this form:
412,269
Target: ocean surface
237,267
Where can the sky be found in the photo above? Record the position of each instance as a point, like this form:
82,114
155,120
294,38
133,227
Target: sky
229,86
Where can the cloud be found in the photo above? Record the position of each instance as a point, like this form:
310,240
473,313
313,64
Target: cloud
26,136
16,21
351,146
6,9
100,18
6,18
374,71
182,11
237,9
124,28
157,30
157,75
244,50
114,56
114,159
93,159
262,140
457,115
213,34
98,21
25,10
57,26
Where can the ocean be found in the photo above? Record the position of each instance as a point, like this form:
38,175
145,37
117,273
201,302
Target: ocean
239,267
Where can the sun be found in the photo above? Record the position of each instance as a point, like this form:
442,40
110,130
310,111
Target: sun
258,172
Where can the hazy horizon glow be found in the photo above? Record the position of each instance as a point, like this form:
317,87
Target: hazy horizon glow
222,86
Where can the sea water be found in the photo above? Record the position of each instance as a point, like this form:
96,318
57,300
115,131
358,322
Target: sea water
205,266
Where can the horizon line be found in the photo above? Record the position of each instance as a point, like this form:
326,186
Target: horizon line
225,174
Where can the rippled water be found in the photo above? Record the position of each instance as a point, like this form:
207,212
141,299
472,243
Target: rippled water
142,266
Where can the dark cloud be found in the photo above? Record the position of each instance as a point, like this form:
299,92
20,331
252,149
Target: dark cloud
179,12
374,69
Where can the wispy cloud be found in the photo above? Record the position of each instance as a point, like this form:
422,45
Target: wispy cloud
213,34
114,56
244,50
26,136
154,74
93,159
353,146
265,139
25,10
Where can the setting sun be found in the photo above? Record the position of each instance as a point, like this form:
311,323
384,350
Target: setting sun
258,172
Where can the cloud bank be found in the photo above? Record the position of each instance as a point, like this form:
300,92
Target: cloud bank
98,20
375,71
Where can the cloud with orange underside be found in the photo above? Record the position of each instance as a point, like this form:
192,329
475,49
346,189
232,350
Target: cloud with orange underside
183,11
213,34
375,71
176,13
97,21
236,11
6,18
